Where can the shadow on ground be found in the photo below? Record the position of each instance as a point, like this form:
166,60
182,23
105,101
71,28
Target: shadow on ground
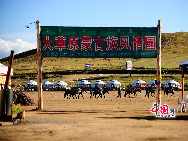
80,111
148,118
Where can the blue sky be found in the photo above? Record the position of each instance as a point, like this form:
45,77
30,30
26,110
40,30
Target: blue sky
16,14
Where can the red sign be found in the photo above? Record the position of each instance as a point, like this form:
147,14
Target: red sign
3,80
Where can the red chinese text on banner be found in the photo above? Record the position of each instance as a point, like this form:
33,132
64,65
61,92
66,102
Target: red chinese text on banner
60,42
47,41
99,45
139,43
150,43
86,43
111,43
73,43
124,43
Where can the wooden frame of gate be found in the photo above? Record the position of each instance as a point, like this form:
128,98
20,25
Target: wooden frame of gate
39,66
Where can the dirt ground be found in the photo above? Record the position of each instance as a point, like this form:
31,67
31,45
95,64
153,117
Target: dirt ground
111,119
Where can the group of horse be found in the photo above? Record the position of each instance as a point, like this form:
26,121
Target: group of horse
76,92
99,92
132,90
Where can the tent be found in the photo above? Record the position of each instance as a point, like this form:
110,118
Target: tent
114,84
4,69
99,82
47,83
184,66
141,83
30,82
173,83
61,83
151,82
85,83
31,85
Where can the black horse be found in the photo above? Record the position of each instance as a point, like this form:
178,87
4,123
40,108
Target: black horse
168,90
74,92
68,93
100,92
128,91
132,90
151,90
97,91
105,90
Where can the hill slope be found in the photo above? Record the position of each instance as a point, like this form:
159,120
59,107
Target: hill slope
174,50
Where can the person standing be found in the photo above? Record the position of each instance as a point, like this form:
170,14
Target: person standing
91,93
119,92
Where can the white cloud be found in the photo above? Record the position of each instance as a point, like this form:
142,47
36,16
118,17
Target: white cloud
26,36
17,46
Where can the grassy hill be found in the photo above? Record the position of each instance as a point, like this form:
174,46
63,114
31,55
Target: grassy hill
174,50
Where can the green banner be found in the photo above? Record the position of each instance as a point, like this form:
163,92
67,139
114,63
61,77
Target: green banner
99,42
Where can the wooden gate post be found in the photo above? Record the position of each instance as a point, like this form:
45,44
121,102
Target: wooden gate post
9,69
39,68
159,63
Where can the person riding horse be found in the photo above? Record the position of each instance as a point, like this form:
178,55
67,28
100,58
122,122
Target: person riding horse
137,88
169,89
69,93
99,90
105,90
96,90
128,90
91,92
83,88
73,92
147,91
153,89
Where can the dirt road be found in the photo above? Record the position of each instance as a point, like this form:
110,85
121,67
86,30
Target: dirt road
93,119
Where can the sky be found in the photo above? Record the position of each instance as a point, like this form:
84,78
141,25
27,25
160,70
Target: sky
16,15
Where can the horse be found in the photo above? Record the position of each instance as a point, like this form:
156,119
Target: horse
136,89
100,91
73,92
132,91
169,90
147,92
69,93
96,92
128,91
151,90
105,90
